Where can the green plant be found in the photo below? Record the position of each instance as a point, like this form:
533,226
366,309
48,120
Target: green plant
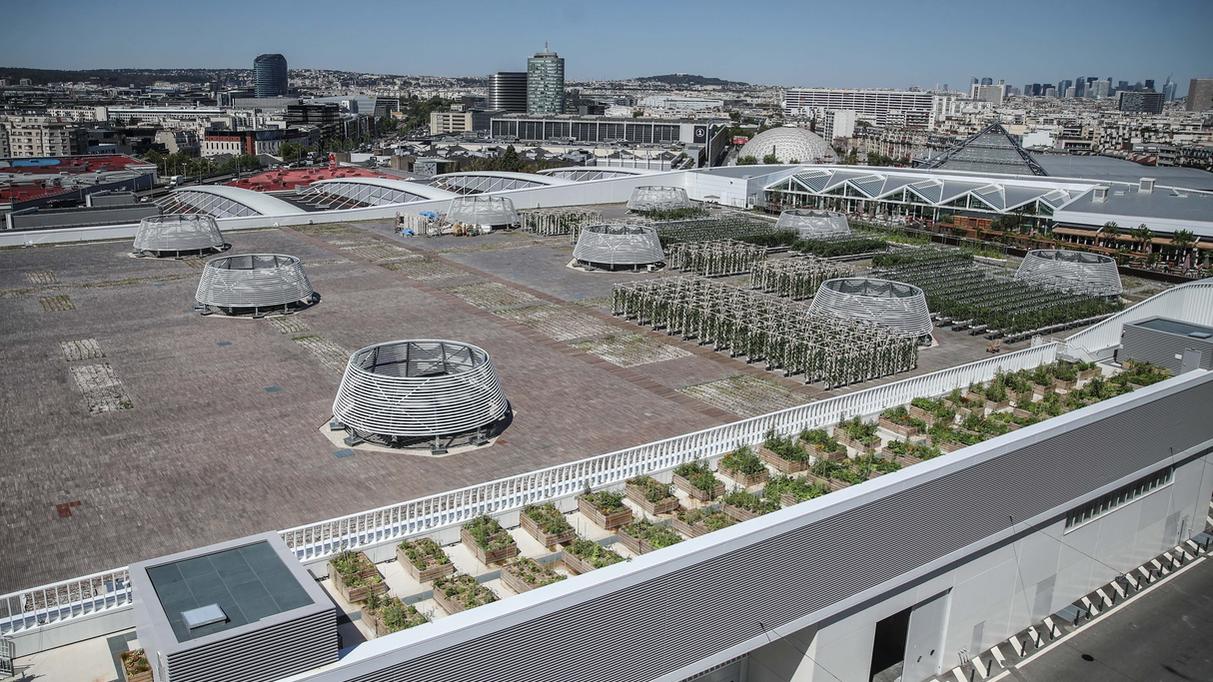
699,475
918,450
860,431
654,490
744,461
532,572
798,488
786,447
488,534
464,590
606,501
656,535
424,553
708,517
135,662
750,502
356,569
549,519
592,553
395,614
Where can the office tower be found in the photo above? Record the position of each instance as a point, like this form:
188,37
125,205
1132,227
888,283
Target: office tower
987,81
1150,84
545,83
1063,86
1168,90
1139,102
1200,94
1080,86
269,76
507,91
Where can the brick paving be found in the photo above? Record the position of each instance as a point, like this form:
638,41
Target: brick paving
220,437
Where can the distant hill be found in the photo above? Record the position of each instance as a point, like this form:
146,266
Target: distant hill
683,79
109,77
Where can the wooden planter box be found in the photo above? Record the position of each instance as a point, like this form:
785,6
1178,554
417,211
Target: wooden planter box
145,676
856,445
949,446
421,576
1063,385
1022,414
666,506
514,582
906,460
637,545
831,484
686,486
739,513
783,466
357,594
994,407
576,564
484,556
371,618
899,429
607,521
788,499
549,540
1041,390
1089,374
919,413
449,605
745,480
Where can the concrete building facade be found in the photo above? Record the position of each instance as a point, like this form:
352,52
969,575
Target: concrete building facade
545,83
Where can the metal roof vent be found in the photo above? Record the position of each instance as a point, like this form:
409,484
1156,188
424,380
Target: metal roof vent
1147,185
1100,195
203,615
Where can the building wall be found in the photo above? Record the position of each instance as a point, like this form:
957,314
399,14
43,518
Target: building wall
35,136
1200,94
545,84
1161,348
998,594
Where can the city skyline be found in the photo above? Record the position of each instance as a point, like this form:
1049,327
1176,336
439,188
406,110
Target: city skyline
784,53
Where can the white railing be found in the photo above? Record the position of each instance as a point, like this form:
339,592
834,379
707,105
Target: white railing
1191,302
314,542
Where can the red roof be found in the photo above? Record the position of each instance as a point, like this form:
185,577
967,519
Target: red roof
73,165
290,178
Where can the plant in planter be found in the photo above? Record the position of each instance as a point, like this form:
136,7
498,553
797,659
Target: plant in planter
583,556
1065,375
547,524
488,540
867,467
743,505
1088,370
698,481
906,453
899,421
997,397
423,559
135,666
645,536
355,576
821,445
386,615
785,454
858,435
695,522
832,475
652,495
790,490
524,574
455,593
743,466
605,508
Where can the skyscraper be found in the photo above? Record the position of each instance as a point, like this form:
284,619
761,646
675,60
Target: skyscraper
269,76
1168,90
1080,86
1200,94
545,83
507,91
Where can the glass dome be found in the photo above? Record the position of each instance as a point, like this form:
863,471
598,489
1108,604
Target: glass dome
789,145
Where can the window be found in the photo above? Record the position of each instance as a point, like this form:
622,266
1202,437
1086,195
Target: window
1118,498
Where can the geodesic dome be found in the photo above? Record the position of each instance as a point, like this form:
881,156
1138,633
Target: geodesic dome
252,282
618,245
789,145
900,307
482,209
810,224
1073,271
658,198
176,234
414,389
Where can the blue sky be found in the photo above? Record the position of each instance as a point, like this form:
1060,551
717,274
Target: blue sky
874,43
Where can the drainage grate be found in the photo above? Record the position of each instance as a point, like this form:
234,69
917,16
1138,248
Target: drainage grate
41,277
81,349
344,452
273,388
223,344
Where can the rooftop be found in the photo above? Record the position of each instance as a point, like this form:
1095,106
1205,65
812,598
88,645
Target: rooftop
70,164
286,179
200,429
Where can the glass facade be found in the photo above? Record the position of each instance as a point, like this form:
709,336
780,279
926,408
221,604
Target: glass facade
598,130
269,76
545,83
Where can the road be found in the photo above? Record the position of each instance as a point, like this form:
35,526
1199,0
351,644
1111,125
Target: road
1165,635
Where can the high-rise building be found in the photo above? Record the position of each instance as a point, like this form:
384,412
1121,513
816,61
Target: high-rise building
269,76
32,135
1139,102
1168,90
1080,86
987,81
545,83
507,91
1063,86
1200,94
1150,84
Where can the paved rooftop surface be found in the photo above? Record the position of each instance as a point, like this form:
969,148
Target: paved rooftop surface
132,427
1165,635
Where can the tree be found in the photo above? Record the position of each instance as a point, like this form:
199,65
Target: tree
1109,233
1181,241
852,157
290,151
746,160
770,158
1144,236
794,161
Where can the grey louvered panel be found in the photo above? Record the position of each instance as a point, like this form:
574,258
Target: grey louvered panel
652,628
268,654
